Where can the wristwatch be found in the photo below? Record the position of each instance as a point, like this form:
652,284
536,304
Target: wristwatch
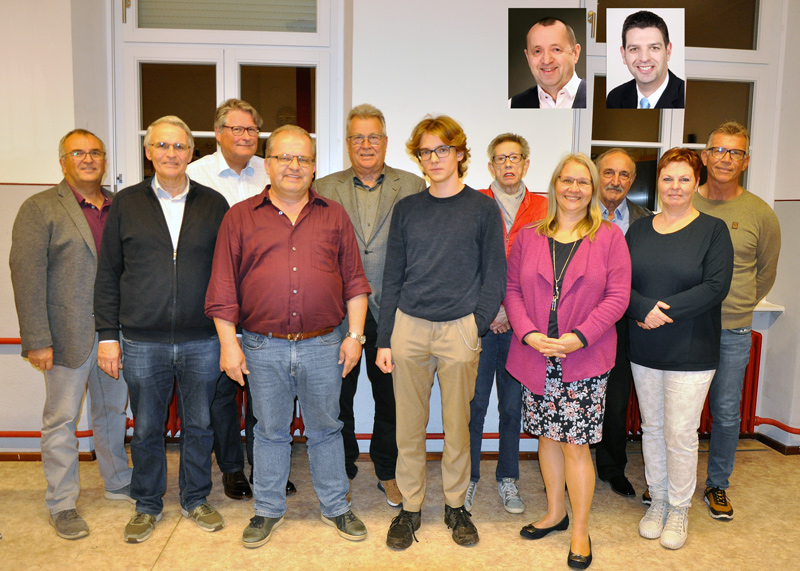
360,338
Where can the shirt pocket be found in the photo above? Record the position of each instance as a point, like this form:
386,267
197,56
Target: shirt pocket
325,252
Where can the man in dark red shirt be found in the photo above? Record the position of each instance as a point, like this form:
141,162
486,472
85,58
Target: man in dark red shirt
286,267
54,248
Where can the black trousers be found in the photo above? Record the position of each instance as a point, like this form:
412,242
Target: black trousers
227,430
610,451
383,445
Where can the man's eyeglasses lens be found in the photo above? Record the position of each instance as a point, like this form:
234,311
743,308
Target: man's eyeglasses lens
514,158
79,155
720,152
441,152
286,160
358,140
238,131
163,147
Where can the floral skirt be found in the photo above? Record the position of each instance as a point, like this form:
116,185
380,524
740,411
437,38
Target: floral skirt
567,412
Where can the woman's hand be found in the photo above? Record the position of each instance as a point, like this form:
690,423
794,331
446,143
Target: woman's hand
550,347
656,317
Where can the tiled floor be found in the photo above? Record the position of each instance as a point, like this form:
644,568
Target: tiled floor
765,533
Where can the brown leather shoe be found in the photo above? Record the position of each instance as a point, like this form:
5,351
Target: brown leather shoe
236,486
393,496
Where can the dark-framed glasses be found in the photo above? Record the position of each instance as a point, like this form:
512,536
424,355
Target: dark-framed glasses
582,183
286,159
239,130
374,139
441,151
513,158
95,154
163,147
737,155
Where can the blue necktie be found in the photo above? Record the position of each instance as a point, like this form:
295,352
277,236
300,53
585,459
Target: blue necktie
644,103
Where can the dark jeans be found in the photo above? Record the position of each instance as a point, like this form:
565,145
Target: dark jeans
151,370
225,416
610,452
492,366
383,444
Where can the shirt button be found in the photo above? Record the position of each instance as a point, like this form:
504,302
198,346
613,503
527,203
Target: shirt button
280,212
294,314
294,249
294,291
294,269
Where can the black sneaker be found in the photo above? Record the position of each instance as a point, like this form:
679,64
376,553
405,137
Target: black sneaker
401,532
646,499
464,532
719,506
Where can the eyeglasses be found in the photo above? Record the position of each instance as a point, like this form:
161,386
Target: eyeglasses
624,176
737,155
513,158
285,160
80,155
441,151
358,140
238,130
582,183
163,147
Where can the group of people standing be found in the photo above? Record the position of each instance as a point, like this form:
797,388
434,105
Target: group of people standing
251,268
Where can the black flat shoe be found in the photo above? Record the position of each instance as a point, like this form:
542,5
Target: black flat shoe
290,489
530,532
236,486
580,561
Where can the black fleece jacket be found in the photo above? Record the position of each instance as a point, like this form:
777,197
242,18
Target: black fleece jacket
154,293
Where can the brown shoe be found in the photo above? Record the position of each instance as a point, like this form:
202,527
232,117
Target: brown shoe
393,496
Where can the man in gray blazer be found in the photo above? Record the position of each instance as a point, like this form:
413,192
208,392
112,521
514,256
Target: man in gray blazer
617,172
54,247
369,190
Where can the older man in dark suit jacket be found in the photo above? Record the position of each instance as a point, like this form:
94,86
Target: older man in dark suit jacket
54,248
617,172
369,190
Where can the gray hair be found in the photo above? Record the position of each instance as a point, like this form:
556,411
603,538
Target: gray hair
366,111
221,114
62,151
510,138
290,129
170,120
614,151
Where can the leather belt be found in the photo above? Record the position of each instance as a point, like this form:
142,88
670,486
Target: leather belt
301,336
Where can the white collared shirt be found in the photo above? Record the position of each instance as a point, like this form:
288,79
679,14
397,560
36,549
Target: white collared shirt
213,171
172,207
622,216
564,98
654,97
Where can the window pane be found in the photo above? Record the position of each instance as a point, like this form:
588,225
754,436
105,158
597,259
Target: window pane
186,90
282,95
643,189
703,21
261,16
621,124
711,103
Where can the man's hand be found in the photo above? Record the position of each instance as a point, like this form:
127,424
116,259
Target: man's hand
42,358
109,358
349,354
500,323
232,362
384,360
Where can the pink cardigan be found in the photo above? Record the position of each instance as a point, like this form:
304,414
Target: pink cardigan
594,296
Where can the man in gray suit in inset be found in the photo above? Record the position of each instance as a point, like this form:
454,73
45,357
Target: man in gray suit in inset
617,172
54,247
369,191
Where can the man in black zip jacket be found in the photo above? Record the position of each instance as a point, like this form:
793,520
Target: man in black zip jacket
152,275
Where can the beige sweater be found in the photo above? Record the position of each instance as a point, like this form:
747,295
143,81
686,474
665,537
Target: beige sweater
756,237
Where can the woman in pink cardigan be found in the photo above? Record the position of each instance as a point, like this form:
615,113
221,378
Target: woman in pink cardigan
569,280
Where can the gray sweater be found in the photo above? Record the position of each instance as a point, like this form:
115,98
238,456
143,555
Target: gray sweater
445,259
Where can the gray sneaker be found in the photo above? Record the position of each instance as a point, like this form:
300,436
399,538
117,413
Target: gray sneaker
652,524
69,525
206,517
140,527
676,529
347,525
260,530
122,494
512,501
469,499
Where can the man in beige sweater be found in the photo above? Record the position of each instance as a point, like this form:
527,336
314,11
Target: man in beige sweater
756,240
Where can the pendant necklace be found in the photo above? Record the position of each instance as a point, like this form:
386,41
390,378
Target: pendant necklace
556,291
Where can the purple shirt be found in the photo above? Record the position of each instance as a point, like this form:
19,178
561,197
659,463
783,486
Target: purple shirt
96,218
270,276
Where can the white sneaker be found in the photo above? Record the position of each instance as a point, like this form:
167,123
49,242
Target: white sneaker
676,529
512,501
470,498
652,524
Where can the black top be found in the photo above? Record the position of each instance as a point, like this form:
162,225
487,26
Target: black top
563,256
625,96
690,270
445,259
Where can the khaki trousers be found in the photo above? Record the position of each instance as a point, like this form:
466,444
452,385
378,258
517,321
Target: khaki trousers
421,348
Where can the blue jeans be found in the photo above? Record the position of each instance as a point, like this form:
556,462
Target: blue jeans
151,370
725,397
62,409
509,406
279,371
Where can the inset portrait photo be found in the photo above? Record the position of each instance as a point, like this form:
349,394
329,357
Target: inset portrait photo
645,58
546,63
